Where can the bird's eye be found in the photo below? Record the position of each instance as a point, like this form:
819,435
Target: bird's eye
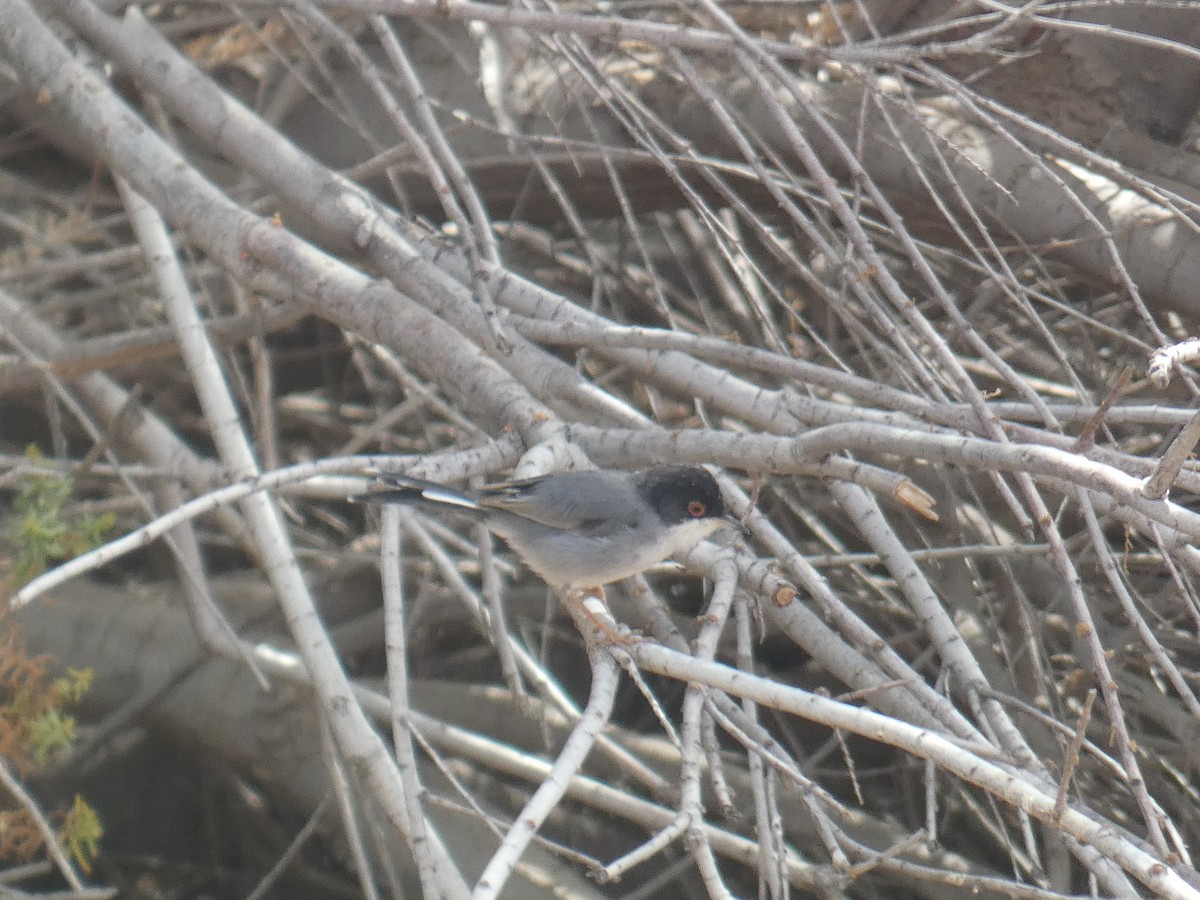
696,509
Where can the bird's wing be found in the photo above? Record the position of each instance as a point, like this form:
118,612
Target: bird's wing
575,501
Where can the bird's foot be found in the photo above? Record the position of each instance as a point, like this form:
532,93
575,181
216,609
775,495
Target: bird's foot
589,606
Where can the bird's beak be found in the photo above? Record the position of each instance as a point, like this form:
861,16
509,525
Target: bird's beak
731,519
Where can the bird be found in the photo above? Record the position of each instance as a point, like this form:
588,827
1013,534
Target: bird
582,529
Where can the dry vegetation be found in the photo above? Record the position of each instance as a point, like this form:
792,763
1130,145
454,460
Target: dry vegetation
897,269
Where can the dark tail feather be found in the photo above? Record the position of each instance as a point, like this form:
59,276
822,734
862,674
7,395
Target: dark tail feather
401,495
414,491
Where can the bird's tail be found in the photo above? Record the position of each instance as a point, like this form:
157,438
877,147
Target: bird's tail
415,491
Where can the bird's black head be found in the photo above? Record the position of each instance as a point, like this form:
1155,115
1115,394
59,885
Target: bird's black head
681,493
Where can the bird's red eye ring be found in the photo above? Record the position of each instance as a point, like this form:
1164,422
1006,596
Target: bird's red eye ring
696,509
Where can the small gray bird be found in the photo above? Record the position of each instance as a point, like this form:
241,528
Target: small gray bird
584,529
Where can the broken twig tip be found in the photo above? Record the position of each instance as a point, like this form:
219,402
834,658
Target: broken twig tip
918,500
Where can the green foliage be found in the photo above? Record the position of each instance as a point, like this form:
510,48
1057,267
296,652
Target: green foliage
48,732
33,727
40,534
47,728
33,724
80,833
73,684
